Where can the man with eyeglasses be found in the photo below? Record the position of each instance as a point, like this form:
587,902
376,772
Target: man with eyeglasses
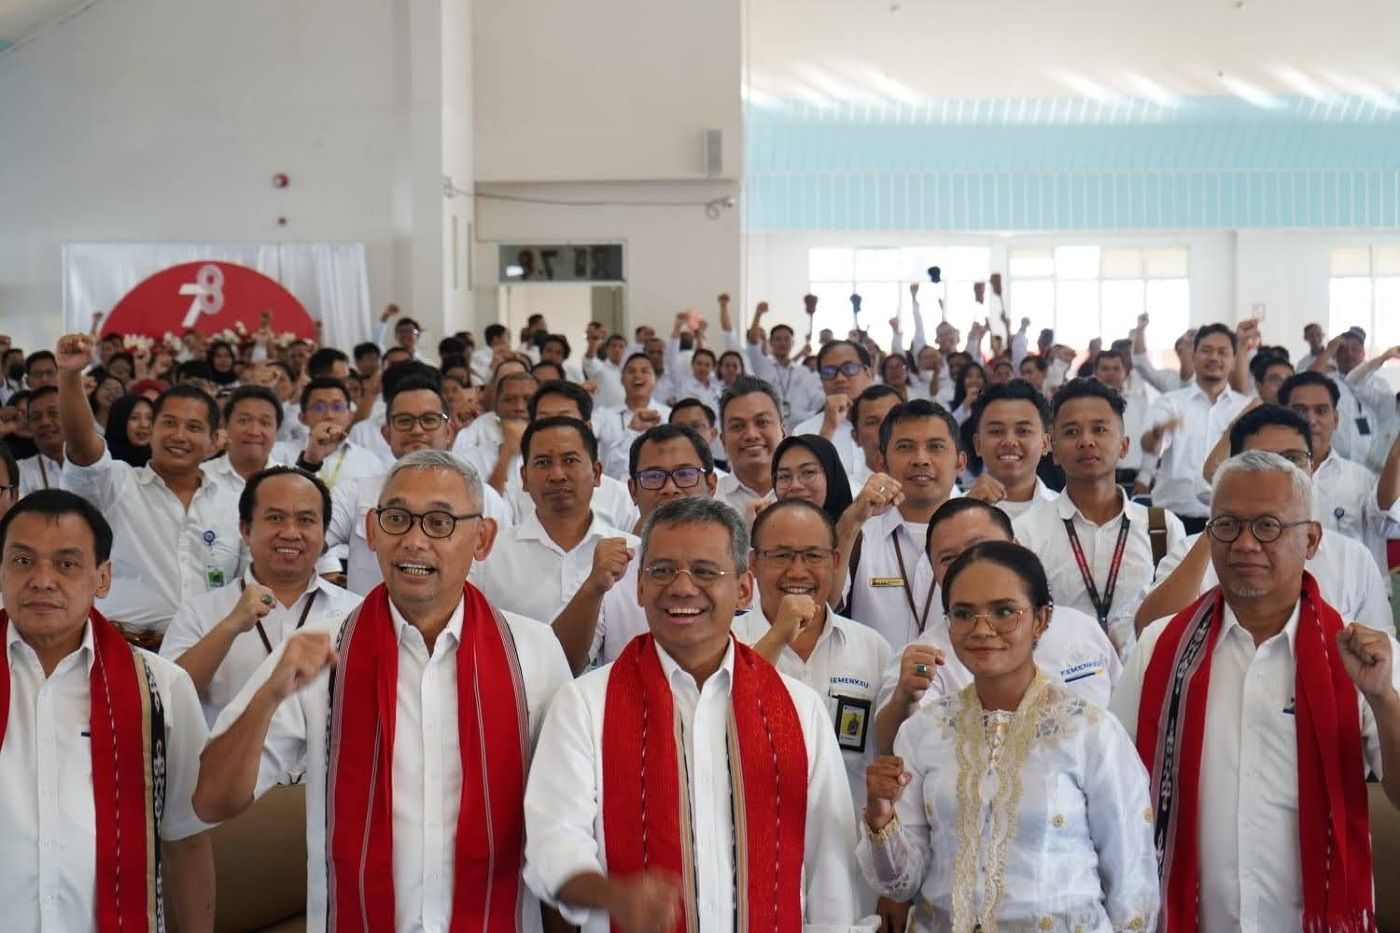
1258,709
45,468
667,462
416,419
688,784
844,368
328,453
1345,572
405,333
799,391
416,749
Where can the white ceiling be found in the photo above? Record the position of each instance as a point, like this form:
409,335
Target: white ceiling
1152,49
19,18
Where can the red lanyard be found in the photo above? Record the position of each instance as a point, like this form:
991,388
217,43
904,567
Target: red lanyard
305,611
920,619
1102,604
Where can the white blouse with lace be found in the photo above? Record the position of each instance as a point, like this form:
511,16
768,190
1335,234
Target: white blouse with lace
1037,819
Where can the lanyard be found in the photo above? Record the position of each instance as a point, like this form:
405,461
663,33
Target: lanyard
43,472
1104,603
920,619
340,462
305,611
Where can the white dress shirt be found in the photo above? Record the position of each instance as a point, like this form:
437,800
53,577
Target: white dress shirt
611,502
49,844
1348,580
615,437
844,440
427,770
879,592
1082,855
221,470
1344,500
1357,421
350,461
369,435
1250,865
730,490
1043,493
163,555
564,799
329,604
292,430
39,472
1183,451
1073,650
1042,529
528,573
800,393
608,378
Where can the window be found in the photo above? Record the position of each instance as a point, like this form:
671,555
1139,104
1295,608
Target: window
881,276
1364,291
1083,292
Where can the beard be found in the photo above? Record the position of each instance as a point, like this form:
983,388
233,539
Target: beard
1240,591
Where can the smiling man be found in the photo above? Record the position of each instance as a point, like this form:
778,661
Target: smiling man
253,416
618,427
1011,435
752,425
44,470
844,368
686,822
414,817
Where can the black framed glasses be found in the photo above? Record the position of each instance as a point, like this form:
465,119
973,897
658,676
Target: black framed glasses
785,556
1298,457
686,477
1002,619
1266,529
702,575
435,523
846,369
429,421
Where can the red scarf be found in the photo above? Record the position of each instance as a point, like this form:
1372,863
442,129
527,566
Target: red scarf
125,714
1333,826
646,805
492,735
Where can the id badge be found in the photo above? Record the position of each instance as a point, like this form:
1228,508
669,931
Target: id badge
852,723
1363,426
213,578
886,581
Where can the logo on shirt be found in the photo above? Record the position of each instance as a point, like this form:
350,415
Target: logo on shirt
1082,671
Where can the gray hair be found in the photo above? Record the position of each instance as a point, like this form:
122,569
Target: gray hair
437,460
694,510
1263,461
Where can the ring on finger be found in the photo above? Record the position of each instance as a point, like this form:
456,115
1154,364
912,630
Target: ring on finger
921,670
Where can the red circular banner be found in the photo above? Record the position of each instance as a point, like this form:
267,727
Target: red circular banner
210,297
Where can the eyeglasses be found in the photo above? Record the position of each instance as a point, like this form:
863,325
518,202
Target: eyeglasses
1299,458
684,477
846,369
435,524
702,575
429,421
785,556
338,408
807,475
1002,619
1266,529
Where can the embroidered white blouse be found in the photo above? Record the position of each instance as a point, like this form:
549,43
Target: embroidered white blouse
1078,851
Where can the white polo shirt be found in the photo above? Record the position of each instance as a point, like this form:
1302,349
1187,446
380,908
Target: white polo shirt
49,844
844,440
350,461
733,493
799,389
320,602
881,588
1201,423
369,435
608,378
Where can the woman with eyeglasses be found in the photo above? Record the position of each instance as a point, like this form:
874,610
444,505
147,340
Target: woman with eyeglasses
1011,804
894,372
807,466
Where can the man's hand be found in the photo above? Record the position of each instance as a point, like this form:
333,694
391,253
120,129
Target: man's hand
323,441
307,654
610,560
988,489
913,289
1248,335
589,386
894,323
885,780
759,311
916,670
894,915
1095,346
1366,656
795,613
255,603
979,292
512,432
809,302
644,420
73,353
723,299
645,903
882,492
838,407
389,311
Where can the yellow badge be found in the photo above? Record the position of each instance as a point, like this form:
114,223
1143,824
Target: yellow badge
886,581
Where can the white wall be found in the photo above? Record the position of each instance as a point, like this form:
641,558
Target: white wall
166,119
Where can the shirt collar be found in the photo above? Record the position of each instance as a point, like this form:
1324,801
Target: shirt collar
313,585
1226,395
454,622
1065,507
675,674
1290,628
531,529
834,629
13,637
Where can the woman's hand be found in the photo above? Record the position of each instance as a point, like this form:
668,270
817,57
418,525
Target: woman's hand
884,785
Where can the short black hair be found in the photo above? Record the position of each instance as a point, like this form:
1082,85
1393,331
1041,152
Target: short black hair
1013,390
323,361
916,410
1257,419
11,465
366,349
693,403
1308,378
408,368
199,395
413,382
194,369
1261,364
960,504
861,353
1210,329
872,392
248,500
41,392
1019,560
243,394
37,356
493,331
778,327
56,502
1088,388
559,339
578,394
590,442
547,364
748,385
639,356
1110,355
1036,360
774,509
322,382
451,346
409,321
660,434
704,351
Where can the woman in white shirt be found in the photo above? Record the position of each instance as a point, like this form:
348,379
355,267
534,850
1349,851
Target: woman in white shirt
1039,798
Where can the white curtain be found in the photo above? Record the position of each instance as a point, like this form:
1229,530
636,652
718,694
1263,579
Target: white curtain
329,279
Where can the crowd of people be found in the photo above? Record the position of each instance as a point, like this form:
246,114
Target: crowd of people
714,629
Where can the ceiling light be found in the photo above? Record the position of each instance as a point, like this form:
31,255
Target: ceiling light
1303,84
1086,88
1251,94
1151,90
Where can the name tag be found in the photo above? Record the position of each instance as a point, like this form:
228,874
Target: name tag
1363,426
852,723
886,581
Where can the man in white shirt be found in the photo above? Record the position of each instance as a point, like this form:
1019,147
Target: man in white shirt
1358,421
555,349
596,850
491,444
537,566
253,417
799,392
1258,711
44,470
176,530
9,489
221,637
369,432
497,337
702,418
618,427
1113,369
1186,423
752,428
868,411
99,743
328,452
1011,433
402,334
606,373
844,368
1316,340
1095,543
442,770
